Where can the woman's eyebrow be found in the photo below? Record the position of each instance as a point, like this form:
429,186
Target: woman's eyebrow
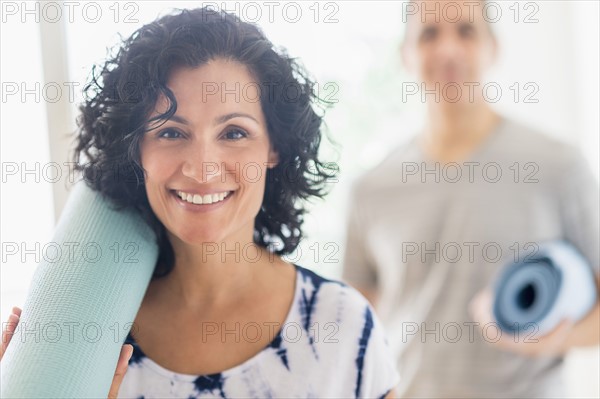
218,121
179,119
225,118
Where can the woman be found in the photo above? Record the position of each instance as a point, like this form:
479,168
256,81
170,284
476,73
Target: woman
199,124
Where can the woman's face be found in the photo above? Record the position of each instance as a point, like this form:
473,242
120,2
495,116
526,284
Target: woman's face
206,166
448,43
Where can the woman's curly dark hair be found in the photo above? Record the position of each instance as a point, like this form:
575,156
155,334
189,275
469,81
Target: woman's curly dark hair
120,96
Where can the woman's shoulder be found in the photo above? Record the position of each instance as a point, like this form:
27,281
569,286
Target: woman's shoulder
346,333
316,288
329,304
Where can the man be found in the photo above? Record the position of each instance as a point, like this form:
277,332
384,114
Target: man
431,226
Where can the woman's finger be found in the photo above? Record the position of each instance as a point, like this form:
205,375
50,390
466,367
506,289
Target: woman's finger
125,355
8,331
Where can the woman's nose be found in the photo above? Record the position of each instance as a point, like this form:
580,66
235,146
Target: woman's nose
202,164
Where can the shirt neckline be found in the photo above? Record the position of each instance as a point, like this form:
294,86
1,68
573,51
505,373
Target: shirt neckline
473,155
232,370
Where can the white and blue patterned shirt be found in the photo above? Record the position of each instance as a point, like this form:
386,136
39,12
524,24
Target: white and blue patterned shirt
331,345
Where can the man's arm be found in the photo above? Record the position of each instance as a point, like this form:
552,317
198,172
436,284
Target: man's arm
358,269
587,331
579,198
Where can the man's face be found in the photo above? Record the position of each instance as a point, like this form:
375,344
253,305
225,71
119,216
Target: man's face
447,41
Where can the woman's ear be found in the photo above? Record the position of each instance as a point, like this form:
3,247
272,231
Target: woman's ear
273,158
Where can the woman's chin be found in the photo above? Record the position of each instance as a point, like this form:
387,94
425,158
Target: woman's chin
199,238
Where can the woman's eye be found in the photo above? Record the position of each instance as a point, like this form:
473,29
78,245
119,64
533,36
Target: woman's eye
169,134
235,134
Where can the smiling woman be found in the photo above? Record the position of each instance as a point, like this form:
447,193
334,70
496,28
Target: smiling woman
225,136
212,135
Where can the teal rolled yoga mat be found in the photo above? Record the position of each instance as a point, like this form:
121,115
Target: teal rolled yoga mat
544,287
82,300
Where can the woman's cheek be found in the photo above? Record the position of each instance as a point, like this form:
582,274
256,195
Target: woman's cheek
157,161
253,185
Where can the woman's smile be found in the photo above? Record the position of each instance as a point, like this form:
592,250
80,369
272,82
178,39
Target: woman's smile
201,202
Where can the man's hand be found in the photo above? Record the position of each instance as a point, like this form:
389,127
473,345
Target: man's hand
554,343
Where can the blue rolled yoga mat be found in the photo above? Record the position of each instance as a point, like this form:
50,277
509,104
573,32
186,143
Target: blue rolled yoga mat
543,288
81,302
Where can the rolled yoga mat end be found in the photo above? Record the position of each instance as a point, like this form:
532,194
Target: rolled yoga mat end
81,302
538,291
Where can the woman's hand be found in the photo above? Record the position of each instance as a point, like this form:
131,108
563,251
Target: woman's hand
122,364
8,332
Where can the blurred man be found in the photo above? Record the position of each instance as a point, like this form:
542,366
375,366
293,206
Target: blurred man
431,225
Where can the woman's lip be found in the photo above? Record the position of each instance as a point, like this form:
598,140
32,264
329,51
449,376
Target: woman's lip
211,192
200,207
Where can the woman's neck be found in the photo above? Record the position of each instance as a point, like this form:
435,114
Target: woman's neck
214,275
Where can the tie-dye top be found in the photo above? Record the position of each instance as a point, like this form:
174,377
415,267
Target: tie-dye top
331,345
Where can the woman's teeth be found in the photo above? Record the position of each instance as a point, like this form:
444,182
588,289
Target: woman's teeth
203,199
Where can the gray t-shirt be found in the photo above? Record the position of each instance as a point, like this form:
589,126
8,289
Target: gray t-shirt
429,236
